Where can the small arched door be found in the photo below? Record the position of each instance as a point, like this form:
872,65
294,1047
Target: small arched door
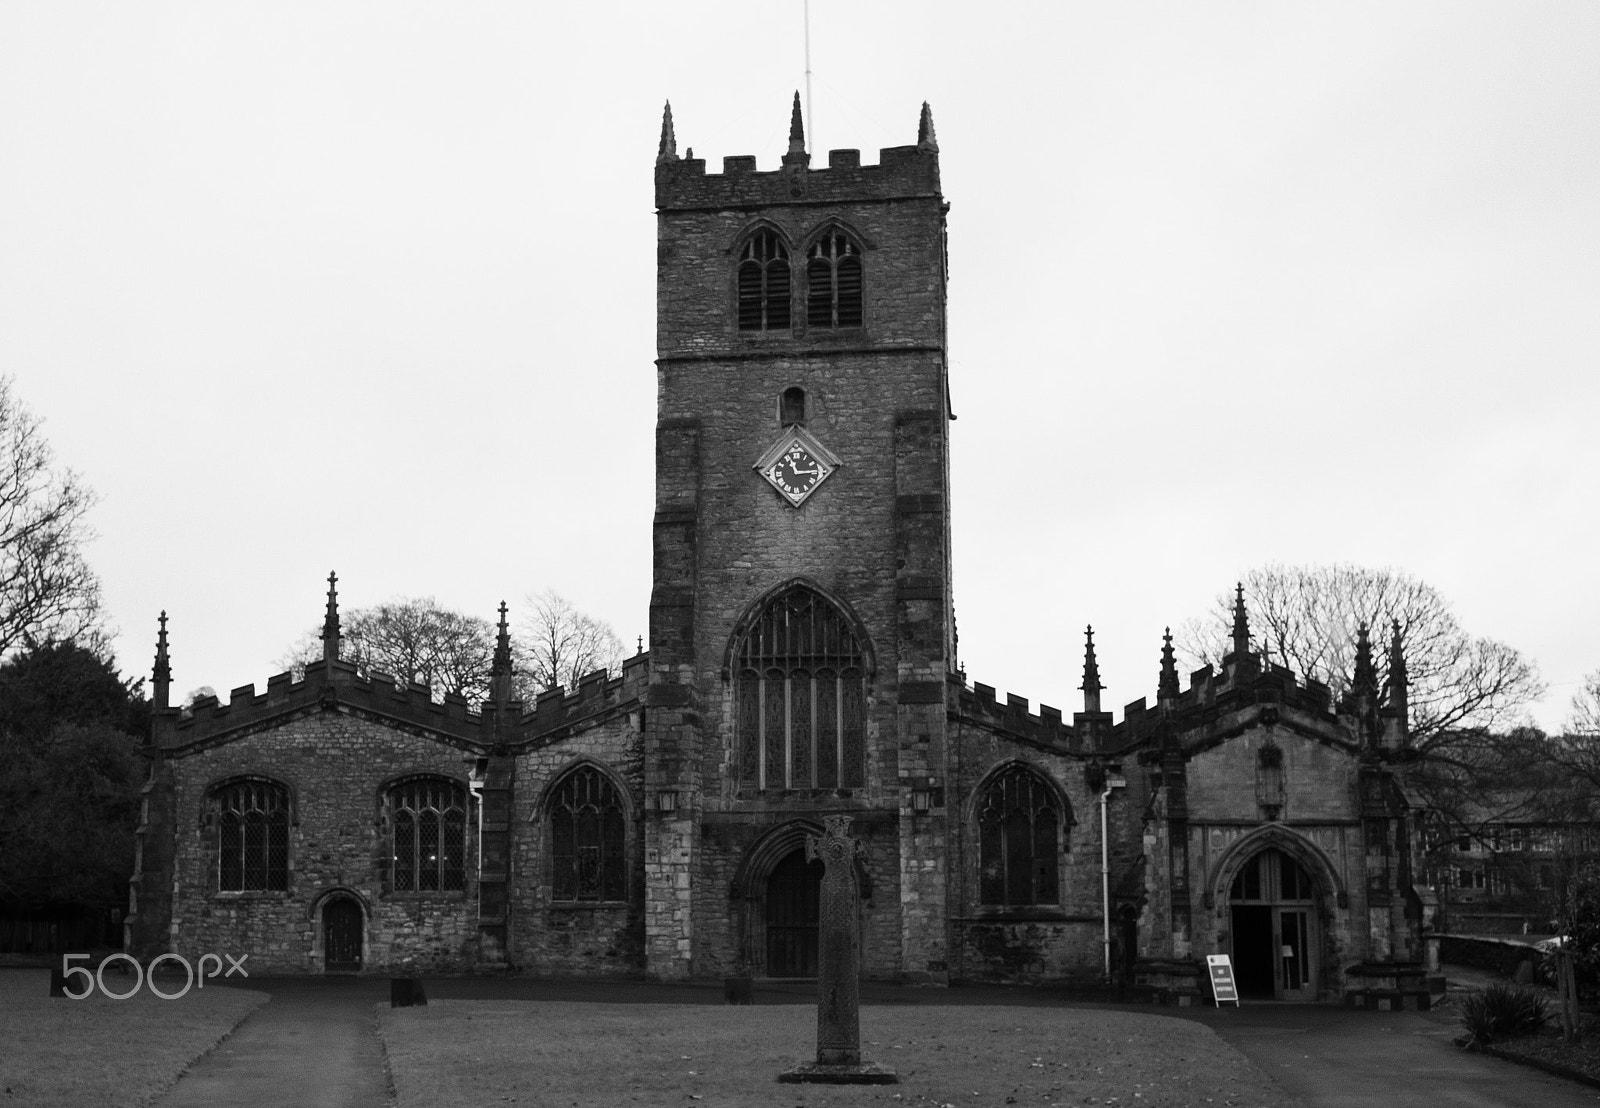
793,904
341,936
1275,934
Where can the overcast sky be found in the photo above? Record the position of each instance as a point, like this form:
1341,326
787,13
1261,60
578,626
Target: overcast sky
370,287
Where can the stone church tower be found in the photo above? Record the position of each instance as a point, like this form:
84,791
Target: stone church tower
801,629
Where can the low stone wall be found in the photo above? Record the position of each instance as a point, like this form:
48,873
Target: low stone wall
1494,955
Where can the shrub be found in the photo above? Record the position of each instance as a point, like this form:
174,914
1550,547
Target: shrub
1501,1011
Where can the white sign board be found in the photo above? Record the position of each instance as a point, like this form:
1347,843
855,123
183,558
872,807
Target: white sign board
1222,986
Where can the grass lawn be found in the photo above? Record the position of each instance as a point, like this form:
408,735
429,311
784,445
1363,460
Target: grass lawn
98,1051
557,1055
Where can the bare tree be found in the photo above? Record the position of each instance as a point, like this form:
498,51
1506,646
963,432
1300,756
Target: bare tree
1306,618
1584,722
557,644
1573,757
411,639
1466,695
47,590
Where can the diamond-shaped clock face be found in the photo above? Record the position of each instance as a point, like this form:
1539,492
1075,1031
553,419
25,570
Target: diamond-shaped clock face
796,470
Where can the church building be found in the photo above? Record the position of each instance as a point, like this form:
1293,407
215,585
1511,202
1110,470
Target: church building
801,664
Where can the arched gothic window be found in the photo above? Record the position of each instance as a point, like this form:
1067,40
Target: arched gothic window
764,283
253,836
801,697
833,283
429,818
588,838
1020,824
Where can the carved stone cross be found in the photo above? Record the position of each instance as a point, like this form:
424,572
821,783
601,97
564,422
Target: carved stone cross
838,967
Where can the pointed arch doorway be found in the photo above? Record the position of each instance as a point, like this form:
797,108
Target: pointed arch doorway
793,907
1275,928
342,934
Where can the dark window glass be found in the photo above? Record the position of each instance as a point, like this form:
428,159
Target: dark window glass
1018,840
232,851
792,406
809,730
774,725
588,838
429,817
749,725
253,839
801,759
827,727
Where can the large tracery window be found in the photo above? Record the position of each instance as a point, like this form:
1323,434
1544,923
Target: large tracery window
764,283
801,696
429,817
833,283
588,838
253,824
1019,831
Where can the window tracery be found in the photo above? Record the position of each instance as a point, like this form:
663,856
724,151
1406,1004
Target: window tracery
833,282
800,697
253,838
764,283
588,838
428,816
1020,826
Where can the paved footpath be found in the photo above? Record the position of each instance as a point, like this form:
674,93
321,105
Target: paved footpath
1333,1057
315,1045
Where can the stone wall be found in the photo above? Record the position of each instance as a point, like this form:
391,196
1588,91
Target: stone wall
576,937
1045,941
336,767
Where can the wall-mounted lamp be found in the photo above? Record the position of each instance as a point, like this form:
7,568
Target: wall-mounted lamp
667,800
921,800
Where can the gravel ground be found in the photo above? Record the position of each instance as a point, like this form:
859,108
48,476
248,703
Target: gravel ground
583,1055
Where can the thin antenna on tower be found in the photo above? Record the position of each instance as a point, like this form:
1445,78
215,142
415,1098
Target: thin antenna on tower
811,120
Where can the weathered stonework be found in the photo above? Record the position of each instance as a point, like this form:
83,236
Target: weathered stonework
1210,788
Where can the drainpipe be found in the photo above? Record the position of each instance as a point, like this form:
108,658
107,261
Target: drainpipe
1105,869
475,782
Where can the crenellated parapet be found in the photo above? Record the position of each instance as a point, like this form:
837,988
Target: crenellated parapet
902,172
325,684
1046,728
338,685
598,694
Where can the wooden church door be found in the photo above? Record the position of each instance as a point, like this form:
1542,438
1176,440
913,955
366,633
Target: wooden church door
794,901
341,936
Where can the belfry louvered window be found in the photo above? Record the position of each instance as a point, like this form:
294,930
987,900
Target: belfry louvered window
764,283
588,838
833,283
253,839
1019,827
801,696
429,817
